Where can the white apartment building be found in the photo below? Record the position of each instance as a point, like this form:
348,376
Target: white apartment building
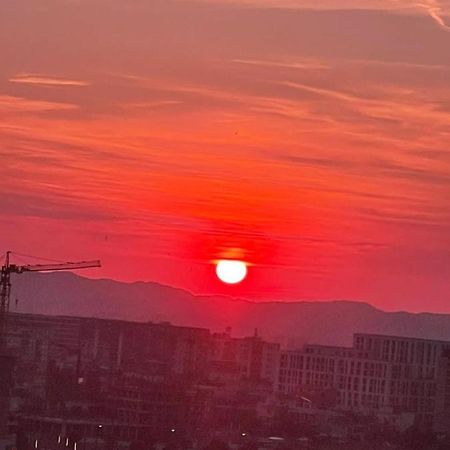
378,374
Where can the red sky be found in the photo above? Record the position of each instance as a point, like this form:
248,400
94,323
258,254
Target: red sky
309,138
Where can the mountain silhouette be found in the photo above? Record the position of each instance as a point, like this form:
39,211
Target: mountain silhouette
290,323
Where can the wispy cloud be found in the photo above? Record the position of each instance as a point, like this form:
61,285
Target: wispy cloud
13,104
436,11
43,80
299,64
151,104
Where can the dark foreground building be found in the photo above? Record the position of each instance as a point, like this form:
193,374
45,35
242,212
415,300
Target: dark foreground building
92,384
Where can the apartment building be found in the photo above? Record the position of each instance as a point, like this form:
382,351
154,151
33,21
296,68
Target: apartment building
378,374
150,348
419,382
252,357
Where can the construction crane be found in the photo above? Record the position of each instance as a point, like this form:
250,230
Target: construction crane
5,283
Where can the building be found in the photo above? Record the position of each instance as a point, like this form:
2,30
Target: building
383,375
155,374
419,379
6,384
147,348
335,377
251,358
63,331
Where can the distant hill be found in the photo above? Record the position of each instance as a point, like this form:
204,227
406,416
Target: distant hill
292,324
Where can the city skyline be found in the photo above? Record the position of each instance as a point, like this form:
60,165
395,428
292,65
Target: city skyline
309,140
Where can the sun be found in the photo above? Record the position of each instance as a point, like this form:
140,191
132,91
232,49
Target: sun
231,271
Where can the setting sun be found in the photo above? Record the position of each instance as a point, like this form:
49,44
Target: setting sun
231,271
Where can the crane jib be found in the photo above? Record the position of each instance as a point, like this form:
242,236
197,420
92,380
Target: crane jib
5,283
63,266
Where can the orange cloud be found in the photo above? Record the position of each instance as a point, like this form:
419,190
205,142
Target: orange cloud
45,80
13,104
438,10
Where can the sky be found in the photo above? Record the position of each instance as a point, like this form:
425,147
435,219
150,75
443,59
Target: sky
308,138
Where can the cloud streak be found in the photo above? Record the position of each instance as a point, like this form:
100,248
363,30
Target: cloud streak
436,11
12,104
42,80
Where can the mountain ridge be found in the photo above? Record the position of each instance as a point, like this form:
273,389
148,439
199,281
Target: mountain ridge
290,323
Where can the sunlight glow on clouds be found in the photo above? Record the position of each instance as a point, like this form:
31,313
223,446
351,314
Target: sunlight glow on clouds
45,80
12,104
438,10
313,139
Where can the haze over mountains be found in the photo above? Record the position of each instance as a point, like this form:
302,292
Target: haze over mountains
292,324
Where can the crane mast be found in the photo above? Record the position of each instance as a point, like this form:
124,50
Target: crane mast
5,291
5,283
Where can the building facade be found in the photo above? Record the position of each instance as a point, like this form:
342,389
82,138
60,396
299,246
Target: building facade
383,375
251,358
